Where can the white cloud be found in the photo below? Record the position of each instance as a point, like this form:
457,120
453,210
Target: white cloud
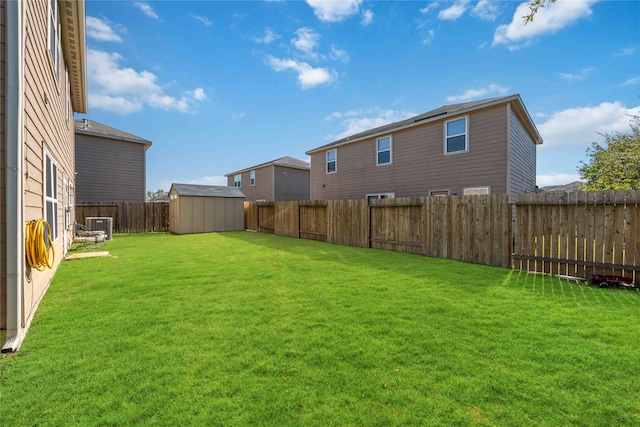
269,36
203,19
486,9
628,51
454,11
339,54
360,120
470,94
146,9
367,17
580,126
334,11
125,90
576,76
556,179
306,41
428,37
549,19
98,30
631,81
428,8
308,76
238,116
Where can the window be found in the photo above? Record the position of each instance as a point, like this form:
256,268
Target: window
332,162
51,195
384,151
371,197
473,191
237,180
456,135
54,36
439,193
252,178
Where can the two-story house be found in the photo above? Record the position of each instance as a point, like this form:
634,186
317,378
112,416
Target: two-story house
110,164
43,78
279,180
478,147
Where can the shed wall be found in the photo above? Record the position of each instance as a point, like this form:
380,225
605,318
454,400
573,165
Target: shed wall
196,214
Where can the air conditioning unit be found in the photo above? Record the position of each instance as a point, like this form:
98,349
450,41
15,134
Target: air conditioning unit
97,223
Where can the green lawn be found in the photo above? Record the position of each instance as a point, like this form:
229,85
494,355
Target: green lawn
247,329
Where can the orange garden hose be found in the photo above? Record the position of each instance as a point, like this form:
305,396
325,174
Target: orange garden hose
39,256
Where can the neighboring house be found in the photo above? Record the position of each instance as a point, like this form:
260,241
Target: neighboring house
567,188
43,78
279,180
479,147
110,164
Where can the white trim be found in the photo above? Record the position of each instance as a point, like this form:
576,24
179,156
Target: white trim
252,178
466,135
390,150
379,196
46,181
237,183
439,191
475,190
335,161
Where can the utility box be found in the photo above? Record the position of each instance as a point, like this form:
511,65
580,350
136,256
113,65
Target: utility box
98,223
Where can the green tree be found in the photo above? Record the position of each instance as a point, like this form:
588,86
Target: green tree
533,9
615,165
152,194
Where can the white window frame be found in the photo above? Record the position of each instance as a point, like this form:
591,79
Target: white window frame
466,136
334,161
50,194
68,93
390,150
376,196
252,178
474,190
431,193
237,180
54,36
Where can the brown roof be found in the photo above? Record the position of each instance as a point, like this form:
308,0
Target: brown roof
288,162
91,127
438,114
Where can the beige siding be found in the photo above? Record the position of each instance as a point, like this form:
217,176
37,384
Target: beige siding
419,164
3,142
109,170
291,184
263,190
194,214
522,173
47,130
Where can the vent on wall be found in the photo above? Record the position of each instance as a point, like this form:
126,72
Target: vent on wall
96,223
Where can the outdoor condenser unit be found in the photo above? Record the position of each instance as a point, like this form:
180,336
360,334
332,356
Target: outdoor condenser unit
97,223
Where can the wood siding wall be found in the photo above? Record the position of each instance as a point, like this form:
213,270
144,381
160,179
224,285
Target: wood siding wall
196,214
262,190
465,228
291,184
522,154
48,129
419,164
109,170
128,217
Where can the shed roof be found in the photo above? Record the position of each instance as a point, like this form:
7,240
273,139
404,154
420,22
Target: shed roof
439,114
288,162
91,127
206,190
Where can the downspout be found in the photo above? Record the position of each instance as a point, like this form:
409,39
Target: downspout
14,215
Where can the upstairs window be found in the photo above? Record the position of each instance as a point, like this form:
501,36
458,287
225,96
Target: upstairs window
252,178
383,151
51,195
237,180
332,161
371,197
456,136
54,36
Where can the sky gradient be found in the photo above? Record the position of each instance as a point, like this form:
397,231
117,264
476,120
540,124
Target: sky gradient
219,86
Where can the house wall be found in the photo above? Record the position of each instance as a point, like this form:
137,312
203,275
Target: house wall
3,142
109,170
291,184
47,129
419,164
263,190
522,153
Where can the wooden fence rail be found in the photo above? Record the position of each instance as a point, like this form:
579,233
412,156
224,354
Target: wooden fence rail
128,217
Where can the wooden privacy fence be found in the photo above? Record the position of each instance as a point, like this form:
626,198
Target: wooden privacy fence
467,228
579,233
128,217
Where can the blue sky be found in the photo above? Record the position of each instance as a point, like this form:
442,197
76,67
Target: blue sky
218,86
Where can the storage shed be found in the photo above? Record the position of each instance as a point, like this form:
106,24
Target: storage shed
205,208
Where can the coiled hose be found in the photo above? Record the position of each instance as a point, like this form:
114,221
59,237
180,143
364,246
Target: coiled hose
39,254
